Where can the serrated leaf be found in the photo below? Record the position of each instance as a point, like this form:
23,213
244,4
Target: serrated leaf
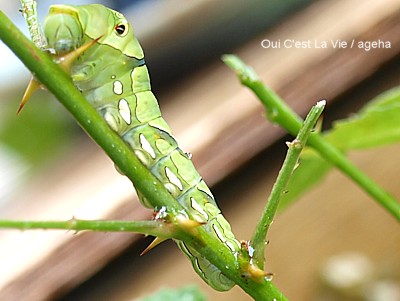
188,293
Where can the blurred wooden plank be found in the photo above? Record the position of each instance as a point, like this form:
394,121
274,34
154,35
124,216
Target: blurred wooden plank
301,76
173,51
218,122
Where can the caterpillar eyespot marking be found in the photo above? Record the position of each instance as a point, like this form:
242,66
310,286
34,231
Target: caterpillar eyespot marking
117,87
124,110
147,146
173,179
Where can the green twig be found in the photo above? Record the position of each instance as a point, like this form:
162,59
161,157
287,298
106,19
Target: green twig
289,165
154,228
30,14
280,113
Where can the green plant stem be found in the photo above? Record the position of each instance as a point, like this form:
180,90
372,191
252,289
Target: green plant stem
154,228
29,12
60,84
279,188
282,114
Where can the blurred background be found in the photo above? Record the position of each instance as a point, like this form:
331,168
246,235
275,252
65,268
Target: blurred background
334,243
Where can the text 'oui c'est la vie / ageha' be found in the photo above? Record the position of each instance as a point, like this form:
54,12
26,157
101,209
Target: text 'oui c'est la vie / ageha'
324,44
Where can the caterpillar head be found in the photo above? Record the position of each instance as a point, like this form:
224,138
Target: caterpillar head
67,27
72,30
62,29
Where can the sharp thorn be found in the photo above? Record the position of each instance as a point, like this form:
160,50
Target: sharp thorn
67,60
32,87
154,243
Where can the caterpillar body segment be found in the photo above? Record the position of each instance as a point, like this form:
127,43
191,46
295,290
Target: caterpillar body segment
113,77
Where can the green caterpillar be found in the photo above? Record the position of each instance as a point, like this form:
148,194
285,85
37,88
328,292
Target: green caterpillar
113,77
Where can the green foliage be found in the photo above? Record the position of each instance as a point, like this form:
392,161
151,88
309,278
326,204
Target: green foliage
188,293
34,137
375,125
281,114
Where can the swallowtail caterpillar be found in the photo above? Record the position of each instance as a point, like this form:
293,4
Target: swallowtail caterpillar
113,77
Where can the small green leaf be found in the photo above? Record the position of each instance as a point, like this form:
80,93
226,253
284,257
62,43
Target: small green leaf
377,124
188,293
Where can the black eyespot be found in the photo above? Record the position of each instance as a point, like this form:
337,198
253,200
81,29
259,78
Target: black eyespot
120,29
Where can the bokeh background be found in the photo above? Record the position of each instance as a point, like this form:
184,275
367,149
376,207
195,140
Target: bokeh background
334,243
